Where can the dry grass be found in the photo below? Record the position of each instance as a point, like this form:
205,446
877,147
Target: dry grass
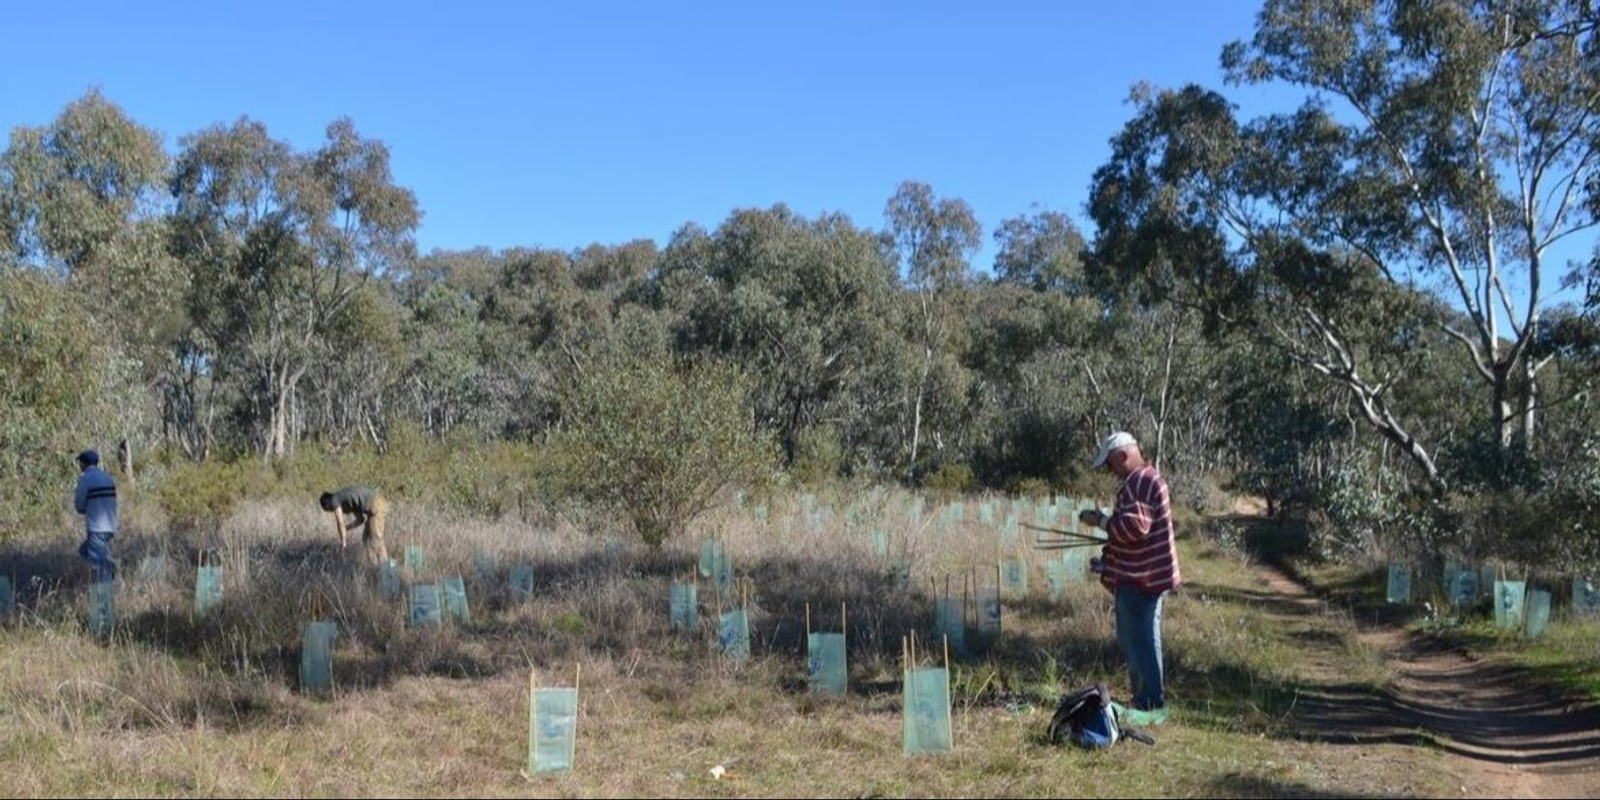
179,705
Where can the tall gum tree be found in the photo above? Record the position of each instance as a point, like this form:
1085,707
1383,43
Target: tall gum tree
278,242
802,303
934,240
1481,122
1444,153
83,201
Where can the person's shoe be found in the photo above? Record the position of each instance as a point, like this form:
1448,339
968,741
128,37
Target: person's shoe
1137,716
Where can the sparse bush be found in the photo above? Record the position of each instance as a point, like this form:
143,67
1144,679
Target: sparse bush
951,480
197,498
819,456
1032,488
570,622
660,441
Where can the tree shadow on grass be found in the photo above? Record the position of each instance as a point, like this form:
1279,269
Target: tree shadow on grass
1444,700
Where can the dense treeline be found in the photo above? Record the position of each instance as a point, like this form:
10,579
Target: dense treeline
1346,308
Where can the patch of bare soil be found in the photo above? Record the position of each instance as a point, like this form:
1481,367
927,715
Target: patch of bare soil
1503,736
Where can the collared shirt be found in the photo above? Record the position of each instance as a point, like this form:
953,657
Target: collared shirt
1141,549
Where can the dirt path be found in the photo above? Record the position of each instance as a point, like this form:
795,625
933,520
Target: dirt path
1504,738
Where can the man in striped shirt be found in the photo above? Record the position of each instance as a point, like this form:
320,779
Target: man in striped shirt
96,499
1139,565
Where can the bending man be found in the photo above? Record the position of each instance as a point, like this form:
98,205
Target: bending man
368,509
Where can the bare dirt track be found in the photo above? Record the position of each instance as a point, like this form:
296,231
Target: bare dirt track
1502,735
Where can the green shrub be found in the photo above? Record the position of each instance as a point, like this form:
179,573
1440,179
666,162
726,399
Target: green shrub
1032,488
570,622
951,479
661,442
198,498
50,366
819,456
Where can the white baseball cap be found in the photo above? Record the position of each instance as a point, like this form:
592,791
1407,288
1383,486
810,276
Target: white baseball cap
1113,443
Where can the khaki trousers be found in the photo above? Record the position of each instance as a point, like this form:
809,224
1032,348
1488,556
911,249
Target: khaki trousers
372,532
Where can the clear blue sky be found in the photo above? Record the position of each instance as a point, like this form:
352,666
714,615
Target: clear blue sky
561,124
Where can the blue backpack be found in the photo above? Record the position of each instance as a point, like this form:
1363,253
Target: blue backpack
1087,718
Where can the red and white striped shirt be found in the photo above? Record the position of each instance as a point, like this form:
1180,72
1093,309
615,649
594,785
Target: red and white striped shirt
1141,549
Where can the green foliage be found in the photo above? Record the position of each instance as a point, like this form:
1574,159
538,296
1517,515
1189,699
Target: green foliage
492,480
459,473
661,442
1357,508
1031,488
1572,498
807,307
278,245
951,479
1480,461
1315,229
84,196
1274,425
570,623
313,469
819,456
1043,252
198,498
445,366
50,367
1035,414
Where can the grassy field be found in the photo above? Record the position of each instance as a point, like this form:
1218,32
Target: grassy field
178,704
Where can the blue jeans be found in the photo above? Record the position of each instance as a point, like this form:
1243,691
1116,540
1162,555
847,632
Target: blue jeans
96,549
1139,636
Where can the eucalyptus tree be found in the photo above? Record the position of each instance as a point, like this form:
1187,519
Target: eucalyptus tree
679,273
1158,377
469,274
1028,352
81,198
353,390
1043,251
1132,365
444,385
1034,338
614,271
81,201
805,306
1441,155
540,325
51,392
1273,423
1486,116
277,244
934,240
1570,431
